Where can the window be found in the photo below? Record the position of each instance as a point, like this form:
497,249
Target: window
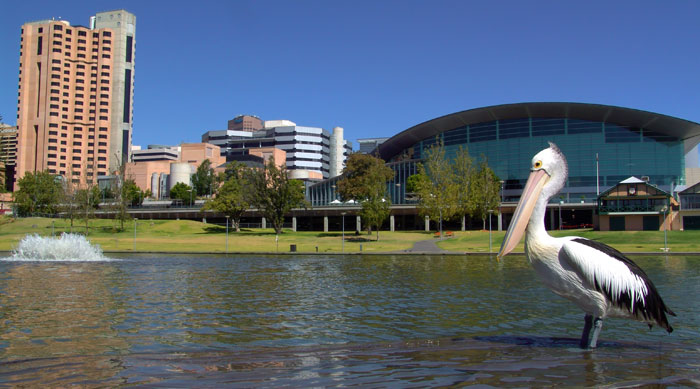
482,132
576,126
547,127
129,47
39,44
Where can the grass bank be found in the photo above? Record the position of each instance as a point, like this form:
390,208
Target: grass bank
624,241
192,236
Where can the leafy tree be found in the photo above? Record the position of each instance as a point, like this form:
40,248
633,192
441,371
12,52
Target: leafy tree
38,192
436,186
132,193
464,175
484,191
203,179
274,193
233,197
364,180
181,191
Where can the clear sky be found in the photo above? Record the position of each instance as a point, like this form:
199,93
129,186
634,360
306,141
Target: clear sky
379,67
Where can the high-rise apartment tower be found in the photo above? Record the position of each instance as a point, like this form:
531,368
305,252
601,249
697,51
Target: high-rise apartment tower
75,100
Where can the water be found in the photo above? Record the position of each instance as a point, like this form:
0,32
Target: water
268,321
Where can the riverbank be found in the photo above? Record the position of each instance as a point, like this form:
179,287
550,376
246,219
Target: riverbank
186,236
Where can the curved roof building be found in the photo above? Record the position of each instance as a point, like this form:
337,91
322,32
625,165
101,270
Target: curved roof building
627,142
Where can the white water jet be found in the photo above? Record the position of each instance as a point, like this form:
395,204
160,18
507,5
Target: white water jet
67,247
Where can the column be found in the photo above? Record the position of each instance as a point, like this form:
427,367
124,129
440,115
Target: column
358,224
325,224
391,223
464,223
264,223
294,223
427,223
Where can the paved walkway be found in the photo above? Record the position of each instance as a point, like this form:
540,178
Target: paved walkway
426,247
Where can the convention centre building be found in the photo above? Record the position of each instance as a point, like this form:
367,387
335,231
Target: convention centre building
603,144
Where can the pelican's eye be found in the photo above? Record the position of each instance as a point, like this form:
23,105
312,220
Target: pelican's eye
538,164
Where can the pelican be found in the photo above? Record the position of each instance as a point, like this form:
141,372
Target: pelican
594,276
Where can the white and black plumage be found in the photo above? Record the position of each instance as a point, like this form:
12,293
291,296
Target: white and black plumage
596,277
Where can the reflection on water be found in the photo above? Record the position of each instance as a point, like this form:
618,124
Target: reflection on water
302,321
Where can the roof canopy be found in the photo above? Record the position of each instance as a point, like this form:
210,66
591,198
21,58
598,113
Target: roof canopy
667,125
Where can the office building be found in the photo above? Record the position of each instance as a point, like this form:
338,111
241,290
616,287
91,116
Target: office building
75,100
8,155
308,149
368,145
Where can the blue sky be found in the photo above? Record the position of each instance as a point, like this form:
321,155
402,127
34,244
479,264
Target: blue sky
379,67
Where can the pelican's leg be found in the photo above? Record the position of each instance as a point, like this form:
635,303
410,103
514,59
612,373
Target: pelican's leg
588,323
597,326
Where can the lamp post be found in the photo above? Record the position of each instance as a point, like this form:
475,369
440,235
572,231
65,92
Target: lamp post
490,214
560,203
664,210
500,209
343,223
135,220
227,217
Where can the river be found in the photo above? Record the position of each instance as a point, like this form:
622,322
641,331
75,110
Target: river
372,320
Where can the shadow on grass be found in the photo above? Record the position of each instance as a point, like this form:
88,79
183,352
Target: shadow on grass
215,229
360,239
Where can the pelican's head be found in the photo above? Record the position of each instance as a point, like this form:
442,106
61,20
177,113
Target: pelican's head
548,172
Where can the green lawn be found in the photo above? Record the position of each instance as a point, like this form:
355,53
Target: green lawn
624,241
192,236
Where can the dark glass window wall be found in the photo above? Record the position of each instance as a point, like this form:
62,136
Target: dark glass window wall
622,151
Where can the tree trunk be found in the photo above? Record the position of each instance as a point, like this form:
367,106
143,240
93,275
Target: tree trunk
237,225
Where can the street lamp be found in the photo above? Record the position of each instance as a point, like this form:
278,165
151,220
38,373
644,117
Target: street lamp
664,210
490,213
343,244
500,209
227,217
135,220
560,203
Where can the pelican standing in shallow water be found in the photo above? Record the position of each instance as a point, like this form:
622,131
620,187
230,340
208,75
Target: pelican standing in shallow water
596,277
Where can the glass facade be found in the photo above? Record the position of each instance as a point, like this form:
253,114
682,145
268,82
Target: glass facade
509,145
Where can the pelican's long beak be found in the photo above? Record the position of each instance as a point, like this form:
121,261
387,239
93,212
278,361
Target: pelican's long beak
526,205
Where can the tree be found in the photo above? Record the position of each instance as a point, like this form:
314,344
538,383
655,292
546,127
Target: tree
181,191
436,186
203,179
364,180
38,192
464,174
232,198
484,191
87,199
132,193
274,193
